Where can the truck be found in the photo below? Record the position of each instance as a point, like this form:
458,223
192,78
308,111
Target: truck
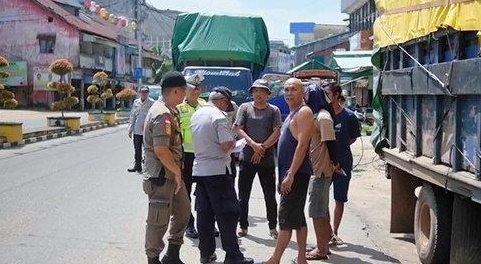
428,112
228,50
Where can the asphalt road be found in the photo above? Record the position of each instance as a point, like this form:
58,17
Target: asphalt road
71,200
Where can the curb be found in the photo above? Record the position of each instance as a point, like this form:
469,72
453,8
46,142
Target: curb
63,133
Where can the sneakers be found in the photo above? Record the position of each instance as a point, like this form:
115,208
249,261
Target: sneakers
273,233
190,232
242,232
335,240
209,259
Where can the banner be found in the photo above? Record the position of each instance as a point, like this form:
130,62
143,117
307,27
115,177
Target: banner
18,74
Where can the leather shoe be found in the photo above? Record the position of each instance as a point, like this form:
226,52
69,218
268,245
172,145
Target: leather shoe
239,261
209,259
190,232
134,169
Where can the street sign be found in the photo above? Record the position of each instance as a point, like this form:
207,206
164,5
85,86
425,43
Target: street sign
138,73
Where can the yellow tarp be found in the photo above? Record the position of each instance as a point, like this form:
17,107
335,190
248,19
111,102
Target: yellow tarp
403,20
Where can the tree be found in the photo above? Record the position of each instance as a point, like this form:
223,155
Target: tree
62,67
99,90
7,98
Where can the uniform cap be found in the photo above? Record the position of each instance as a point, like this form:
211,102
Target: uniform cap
260,83
173,79
194,80
144,88
220,92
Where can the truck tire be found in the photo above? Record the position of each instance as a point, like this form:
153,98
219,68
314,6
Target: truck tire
432,225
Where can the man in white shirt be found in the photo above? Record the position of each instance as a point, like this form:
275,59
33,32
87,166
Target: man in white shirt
138,113
216,198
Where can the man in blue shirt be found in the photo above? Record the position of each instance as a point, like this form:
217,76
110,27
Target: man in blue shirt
347,131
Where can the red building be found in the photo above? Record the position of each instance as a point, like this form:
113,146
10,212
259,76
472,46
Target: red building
36,32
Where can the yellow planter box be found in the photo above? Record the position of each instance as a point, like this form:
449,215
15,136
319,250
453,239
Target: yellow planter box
70,122
95,117
73,123
110,118
12,132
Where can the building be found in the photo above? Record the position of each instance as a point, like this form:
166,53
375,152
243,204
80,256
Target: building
280,58
157,24
362,14
63,29
321,49
309,32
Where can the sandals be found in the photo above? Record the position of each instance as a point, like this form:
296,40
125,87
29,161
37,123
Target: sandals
315,256
335,240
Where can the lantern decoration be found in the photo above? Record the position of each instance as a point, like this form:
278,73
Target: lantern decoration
104,13
119,21
133,25
97,9
92,6
113,19
87,3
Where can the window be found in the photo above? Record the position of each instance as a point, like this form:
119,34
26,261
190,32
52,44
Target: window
46,43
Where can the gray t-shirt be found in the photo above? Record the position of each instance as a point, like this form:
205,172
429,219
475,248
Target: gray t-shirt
210,127
259,125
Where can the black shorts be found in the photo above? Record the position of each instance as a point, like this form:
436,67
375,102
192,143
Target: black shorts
291,205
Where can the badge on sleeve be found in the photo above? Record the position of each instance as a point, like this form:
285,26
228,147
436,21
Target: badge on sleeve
168,127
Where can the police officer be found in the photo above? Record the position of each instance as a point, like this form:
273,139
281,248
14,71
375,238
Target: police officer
186,110
163,176
216,198
136,128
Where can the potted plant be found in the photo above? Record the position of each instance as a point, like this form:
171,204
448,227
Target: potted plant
64,89
99,91
9,131
123,96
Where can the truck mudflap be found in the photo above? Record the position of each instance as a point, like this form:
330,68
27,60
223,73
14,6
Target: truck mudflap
466,231
461,182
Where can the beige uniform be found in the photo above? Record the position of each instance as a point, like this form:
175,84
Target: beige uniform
162,129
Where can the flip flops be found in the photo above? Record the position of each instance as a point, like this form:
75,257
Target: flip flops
335,240
315,256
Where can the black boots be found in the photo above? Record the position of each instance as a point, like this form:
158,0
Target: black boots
172,255
153,260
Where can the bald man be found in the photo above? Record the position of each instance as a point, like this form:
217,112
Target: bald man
294,171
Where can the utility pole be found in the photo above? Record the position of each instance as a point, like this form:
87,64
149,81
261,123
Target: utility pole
139,38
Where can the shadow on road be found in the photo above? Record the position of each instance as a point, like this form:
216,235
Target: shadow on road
347,247
406,237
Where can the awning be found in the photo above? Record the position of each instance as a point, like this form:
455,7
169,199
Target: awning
351,61
310,65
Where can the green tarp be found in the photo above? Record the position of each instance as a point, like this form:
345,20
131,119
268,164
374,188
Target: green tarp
209,38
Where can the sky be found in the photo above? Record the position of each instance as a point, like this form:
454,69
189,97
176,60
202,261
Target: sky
277,14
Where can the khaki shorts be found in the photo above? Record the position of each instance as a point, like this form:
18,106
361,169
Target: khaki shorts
319,196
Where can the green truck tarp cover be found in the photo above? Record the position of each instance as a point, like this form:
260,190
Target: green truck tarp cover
209,38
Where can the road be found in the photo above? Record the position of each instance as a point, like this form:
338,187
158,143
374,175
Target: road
71,200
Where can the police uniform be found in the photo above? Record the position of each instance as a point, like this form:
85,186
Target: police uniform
185,112
162,128
216,198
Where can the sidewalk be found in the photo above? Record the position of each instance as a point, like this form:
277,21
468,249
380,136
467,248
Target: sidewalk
36,120
35,125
